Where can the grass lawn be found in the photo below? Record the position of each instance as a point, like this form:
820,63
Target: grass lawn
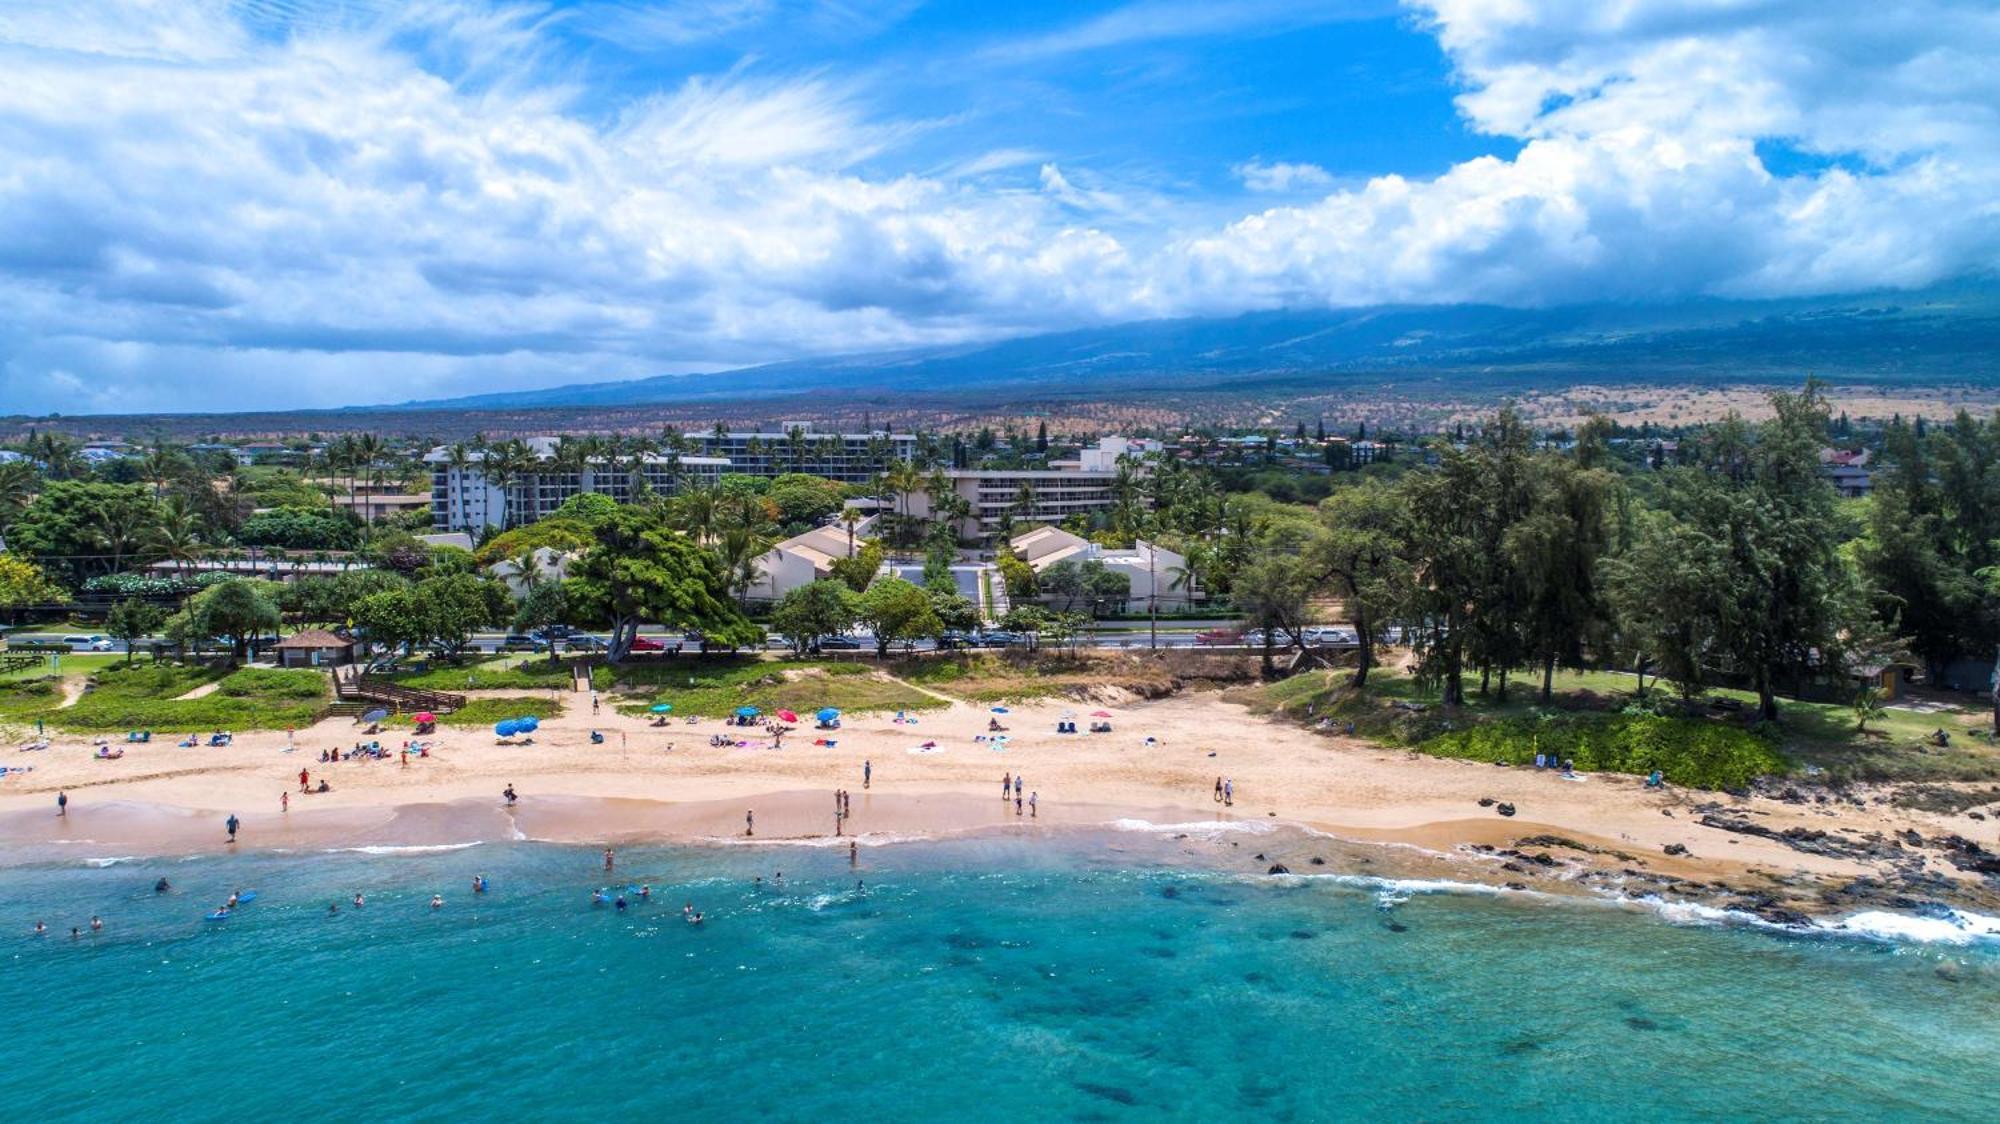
522,672
486,712
713,688
79,663
1818,734
145,697
985,677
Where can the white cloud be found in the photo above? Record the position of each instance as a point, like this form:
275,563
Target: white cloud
196,210
1281,177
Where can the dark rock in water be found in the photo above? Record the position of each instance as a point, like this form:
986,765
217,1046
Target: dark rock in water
1505,809
1279,868
1640,1022
1317,861
1159,953
1112,1093
1398,927
1676,849
1302,935
1517,885
1170,891
1967,855
1486,801
1517,868
1542,859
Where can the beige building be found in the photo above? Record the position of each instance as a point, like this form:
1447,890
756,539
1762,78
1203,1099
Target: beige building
1150,571
806,558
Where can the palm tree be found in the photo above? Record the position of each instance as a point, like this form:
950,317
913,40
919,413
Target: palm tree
903,479
739,549
18,485
177,534
795,441
368,452
118,533
527,569
698,509
850,516
60,457
158,467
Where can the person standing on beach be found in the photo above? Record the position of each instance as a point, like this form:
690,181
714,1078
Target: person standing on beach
750,822
1218,790
304,778
853,853
62,804
867,773
1031,805
607,858
508,792
1006,785
1229,792
284,802
1018,786
232,824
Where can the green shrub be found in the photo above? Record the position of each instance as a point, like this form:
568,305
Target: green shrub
1690,752
274,683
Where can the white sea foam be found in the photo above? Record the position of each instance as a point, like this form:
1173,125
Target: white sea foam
1952,926
114,860
1254,827
409,849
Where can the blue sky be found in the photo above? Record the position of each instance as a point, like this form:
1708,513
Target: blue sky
282,203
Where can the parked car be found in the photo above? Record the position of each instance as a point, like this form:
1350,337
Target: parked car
1219,636
838,644
91,643
520,642
1000,638
954,640
647,644
585,644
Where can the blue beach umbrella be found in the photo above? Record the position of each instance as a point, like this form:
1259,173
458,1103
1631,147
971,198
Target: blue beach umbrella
747,712
827,714
527,724
506,728
662,708
999,710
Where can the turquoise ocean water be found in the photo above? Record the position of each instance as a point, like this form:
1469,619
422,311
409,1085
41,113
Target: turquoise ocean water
996,978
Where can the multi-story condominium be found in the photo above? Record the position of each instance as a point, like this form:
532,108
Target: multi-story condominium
469,497
851,458
995,497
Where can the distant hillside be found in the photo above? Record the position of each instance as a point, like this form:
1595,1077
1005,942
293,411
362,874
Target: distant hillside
1941,334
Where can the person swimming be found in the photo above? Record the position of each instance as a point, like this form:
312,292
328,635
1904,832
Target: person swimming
96,923
437,901
357,901
333,907
234,900
694,918
161,886
479,883
620,903
645,891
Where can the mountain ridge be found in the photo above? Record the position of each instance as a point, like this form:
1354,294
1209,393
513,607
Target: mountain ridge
1886,337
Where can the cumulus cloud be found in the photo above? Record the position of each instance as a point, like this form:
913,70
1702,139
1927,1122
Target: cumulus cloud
200,209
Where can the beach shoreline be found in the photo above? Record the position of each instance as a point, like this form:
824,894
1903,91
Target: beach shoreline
1305,789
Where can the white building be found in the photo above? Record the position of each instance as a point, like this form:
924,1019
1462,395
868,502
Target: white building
465,498
1149,570
806,558
851,458
1084,486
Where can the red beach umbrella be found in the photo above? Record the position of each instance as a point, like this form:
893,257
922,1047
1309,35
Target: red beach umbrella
1100,714
788,716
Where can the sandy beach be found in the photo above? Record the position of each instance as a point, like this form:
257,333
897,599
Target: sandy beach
668,783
